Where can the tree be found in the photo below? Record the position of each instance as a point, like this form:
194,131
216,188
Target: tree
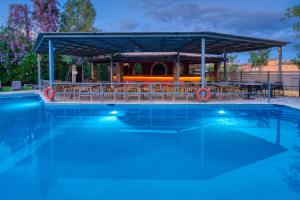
296,60
259,58
17,33
45,15
16,44
232,64
78,16
294,13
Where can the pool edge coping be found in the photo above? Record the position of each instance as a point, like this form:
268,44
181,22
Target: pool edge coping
51,103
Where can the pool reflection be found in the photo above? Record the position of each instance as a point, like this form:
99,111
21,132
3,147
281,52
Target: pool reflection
140,143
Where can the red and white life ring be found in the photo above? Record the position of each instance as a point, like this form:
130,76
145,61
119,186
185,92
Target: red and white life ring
199,96
49,93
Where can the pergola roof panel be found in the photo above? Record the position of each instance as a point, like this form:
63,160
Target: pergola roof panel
93,44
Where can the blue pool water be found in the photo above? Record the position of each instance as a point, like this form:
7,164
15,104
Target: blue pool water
147,151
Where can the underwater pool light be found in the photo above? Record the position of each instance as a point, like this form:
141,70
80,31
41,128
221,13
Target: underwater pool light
221,112
114,112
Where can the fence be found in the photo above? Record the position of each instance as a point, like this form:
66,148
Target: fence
160,92
290,80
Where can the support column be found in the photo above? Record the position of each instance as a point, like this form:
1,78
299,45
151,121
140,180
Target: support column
94,72
280,64
176,69
51,63
203,62
225,66
82,71
119,72
111,71
217,71
133,69
39,71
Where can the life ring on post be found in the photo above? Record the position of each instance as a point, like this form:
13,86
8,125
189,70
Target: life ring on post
49,93
199,96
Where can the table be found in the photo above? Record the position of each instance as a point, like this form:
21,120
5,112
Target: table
249,87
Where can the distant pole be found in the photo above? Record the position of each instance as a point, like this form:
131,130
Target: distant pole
203,81
39,71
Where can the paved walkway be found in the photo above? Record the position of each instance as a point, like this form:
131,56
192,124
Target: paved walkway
19,92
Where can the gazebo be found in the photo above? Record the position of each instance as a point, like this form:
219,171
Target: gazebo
115,49
110,44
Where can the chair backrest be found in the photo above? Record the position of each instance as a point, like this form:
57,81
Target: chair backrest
16,85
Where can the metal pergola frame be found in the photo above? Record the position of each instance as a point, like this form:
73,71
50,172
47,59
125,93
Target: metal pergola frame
95,44
91,44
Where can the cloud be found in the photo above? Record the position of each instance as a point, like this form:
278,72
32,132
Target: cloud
200,16
128,25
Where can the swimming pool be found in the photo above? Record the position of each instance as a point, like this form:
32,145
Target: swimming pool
147,151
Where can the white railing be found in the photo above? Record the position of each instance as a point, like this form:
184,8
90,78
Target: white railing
154,91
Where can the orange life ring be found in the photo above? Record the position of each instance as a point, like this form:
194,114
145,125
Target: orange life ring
199,95
51,95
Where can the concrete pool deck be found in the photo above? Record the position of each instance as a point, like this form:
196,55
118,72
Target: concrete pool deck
19,92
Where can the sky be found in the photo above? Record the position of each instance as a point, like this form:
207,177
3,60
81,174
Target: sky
257,18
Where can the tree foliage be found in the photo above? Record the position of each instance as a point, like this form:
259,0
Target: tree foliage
17,32
17,60
232,65
15,45
294,13
46,15
259,58
19,20
78,16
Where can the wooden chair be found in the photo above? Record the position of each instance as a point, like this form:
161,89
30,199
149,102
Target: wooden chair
158,91
132,91
190,91
85,91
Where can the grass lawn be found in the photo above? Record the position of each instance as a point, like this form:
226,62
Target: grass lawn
8,88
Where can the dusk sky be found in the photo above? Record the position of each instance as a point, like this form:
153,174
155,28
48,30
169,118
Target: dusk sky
258,18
